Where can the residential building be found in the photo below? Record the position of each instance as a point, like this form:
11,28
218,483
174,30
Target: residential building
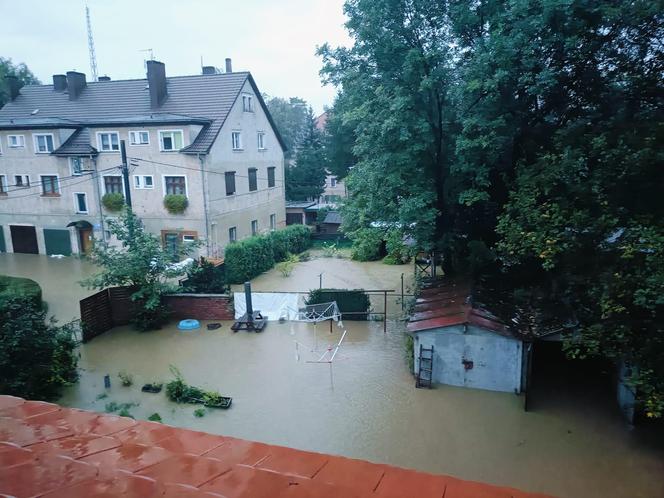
208,137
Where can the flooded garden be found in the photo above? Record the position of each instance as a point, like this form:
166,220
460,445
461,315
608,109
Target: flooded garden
365,405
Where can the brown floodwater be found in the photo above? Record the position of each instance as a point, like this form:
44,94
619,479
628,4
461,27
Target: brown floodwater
365,405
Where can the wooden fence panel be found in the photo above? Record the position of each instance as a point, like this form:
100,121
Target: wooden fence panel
96,314
122,307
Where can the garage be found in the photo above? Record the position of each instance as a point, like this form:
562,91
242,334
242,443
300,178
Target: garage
57,241
24,239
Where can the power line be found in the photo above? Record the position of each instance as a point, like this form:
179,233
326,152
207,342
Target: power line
60,179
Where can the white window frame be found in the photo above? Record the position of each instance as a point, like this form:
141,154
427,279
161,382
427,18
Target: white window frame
103,184
36,143
247,98
254,232
260,140
71,166
111,150
239,140
85,196
161,140
41,185
232,230
273,222
141,185
186,185
3,185
333,181
24,177
190,238
21,145
138,133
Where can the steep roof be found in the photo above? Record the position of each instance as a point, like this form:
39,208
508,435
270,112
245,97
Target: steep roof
199,99
333,218
47,450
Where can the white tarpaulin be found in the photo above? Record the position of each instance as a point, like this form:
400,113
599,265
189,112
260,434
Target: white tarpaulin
271,305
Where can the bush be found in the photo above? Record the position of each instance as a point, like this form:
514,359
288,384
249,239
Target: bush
249,258
22,288
179,391
37,358
155,417
366,245
286,267
397,252
349,301
206,278
113,201
126,378
176,203
153,318
199,412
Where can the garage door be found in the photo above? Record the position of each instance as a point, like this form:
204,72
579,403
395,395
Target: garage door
3,246
24,239
57,241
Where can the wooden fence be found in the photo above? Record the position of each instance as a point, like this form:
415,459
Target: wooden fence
104,310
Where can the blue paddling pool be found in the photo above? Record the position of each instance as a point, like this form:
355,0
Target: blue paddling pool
189,325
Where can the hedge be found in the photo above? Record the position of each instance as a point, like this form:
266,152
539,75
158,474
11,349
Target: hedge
354,301
250,257
11,287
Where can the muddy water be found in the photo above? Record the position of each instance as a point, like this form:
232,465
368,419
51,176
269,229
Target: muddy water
368,408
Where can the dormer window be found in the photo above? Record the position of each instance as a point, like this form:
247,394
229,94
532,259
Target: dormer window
170,140
247,103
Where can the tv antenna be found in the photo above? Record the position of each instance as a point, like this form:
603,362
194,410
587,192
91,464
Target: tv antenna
91,45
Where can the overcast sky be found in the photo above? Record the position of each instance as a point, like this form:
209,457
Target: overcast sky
275,40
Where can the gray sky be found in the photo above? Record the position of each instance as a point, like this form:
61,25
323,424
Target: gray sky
275,40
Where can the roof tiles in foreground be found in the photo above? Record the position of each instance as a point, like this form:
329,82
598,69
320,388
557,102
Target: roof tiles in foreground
49,451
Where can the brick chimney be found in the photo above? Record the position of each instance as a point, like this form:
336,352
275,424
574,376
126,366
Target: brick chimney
14,86
59,82
157,83
75,84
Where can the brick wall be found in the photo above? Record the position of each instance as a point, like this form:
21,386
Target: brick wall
200,306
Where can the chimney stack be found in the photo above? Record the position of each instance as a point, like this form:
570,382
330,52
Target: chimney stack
104,78
157,83
75,84
209,70
14,86
229,66
59,82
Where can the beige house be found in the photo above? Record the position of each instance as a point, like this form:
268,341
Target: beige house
208,137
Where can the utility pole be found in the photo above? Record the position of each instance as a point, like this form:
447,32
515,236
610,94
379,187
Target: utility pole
125,173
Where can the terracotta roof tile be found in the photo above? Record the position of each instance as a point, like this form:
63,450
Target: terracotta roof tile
129,457
247,482
192,470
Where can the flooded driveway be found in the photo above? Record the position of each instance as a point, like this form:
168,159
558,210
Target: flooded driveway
367,407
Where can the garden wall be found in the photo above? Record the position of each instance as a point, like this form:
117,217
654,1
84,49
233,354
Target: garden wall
200,306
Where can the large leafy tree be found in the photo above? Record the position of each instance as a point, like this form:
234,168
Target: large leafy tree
21,71
290,117
306,178
339,138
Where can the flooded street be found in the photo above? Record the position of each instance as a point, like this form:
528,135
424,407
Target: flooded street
366,406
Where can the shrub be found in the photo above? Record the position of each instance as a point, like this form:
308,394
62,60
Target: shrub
397,252
286,267
125,413
126,378
199,412
206,278
22,288
366,244
176,203
155,417
330,250
354,301
113,201
37,358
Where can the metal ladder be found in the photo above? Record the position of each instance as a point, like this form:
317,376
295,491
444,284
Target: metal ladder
425,372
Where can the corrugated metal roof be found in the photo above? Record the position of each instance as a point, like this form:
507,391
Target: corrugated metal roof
202,99
46,450
299,204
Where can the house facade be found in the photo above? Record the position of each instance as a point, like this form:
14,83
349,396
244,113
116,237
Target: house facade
208,137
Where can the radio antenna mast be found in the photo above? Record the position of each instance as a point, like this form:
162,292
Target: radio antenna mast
91,46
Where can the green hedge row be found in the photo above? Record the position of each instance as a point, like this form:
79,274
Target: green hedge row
250,257
11,287
354,301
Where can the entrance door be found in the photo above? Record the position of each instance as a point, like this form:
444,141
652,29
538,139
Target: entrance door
85,240
172,244
24,239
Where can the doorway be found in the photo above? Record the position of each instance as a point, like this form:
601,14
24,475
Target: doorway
85,240
24,239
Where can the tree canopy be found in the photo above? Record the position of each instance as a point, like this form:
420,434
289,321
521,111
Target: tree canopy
527,131
21,71
305,179
290,117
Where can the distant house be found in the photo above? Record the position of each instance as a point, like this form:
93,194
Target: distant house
331,223
297,214
207,137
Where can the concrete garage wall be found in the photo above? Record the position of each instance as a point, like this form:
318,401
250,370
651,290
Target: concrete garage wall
496,360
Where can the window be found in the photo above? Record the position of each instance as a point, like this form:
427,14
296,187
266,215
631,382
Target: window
3,185
230,182
333,182
273,222
43,143
170,140
254,227
75,163
175,185
108,141
188,238
50,186
16,141
232,234
81,202
139,138
247,103
113,185
261,140
143,182
21,181
253,181
236,137
270,177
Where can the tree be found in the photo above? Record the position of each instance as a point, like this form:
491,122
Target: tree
21,71
339,138
306,178
140,262
290,117
37,358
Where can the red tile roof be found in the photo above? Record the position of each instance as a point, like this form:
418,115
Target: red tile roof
49,451
445,303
